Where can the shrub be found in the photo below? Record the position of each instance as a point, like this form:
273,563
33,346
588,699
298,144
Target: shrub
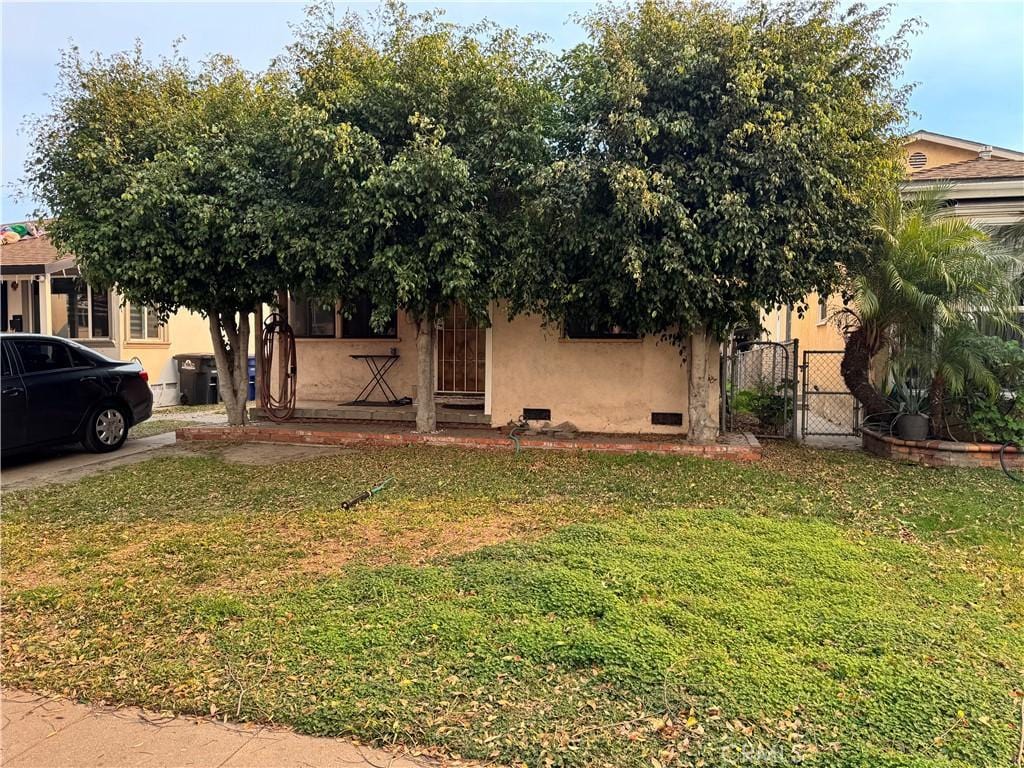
997,418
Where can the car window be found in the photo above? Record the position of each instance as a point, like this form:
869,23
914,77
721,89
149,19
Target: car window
79,359
6,366
42,355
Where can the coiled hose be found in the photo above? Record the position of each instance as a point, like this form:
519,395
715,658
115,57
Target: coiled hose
277,333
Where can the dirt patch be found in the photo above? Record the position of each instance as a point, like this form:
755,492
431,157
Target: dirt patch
373,545
43,573
263,454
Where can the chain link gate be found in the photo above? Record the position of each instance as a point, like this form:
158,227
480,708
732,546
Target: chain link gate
829,408
759,389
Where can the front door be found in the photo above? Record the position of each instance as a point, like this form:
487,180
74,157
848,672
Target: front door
461,351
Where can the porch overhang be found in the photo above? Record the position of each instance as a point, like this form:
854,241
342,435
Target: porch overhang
33,269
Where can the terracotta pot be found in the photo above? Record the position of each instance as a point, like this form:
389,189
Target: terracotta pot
912,426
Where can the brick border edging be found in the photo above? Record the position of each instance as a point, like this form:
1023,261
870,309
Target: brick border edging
748,451
939,453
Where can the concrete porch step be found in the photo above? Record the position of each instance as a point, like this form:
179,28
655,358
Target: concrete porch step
404,414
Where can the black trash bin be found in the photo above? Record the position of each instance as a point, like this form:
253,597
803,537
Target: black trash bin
195,374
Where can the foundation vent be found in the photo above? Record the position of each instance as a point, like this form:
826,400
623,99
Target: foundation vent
537,414
662,419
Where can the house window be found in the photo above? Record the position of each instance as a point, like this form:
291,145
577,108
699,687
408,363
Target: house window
78,312
577,328
312,318
357,324
144,324
822,311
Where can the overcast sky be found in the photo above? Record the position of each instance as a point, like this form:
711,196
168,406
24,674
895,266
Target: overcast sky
969,61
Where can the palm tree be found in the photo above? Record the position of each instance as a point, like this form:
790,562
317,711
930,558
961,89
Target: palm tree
931,278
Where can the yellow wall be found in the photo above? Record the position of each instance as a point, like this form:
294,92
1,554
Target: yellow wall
600,386
936,154
812,332
186,332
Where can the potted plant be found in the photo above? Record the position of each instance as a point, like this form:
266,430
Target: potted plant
911,415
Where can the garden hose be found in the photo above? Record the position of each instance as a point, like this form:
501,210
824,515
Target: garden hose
1017,478
277,332
367,494
514,437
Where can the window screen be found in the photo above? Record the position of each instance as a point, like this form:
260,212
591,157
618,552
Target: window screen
310,318
576,328
358,325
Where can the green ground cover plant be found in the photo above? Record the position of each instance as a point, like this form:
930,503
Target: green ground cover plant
559,609
158,427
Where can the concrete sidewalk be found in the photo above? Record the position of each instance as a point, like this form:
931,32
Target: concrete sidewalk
38,732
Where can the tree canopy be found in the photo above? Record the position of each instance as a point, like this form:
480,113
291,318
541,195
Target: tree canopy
158,180
450,122
711,159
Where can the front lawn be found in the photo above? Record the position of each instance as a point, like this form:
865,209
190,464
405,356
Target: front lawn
544,609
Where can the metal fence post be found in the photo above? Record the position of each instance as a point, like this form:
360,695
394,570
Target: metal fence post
723,393
796,380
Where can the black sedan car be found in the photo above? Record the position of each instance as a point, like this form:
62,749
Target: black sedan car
57,391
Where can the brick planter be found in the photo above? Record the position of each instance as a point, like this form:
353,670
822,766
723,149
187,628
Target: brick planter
734,447
939,453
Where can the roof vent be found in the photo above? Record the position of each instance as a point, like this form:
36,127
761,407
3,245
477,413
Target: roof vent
918,160
986,153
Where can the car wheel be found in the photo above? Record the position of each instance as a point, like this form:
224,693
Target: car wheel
107,428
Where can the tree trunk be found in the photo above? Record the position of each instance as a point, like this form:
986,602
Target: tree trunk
230,335
937,406
856,372
426,412
703,374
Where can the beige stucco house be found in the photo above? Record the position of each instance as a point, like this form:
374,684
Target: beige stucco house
611,382
43,292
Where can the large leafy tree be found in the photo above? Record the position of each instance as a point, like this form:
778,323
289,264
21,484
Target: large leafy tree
447,124
158,178
711,159
931,285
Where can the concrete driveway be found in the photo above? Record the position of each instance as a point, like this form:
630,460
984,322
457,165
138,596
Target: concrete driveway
70,463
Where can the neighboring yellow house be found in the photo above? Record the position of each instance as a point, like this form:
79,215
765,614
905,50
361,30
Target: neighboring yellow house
42,292
984,183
